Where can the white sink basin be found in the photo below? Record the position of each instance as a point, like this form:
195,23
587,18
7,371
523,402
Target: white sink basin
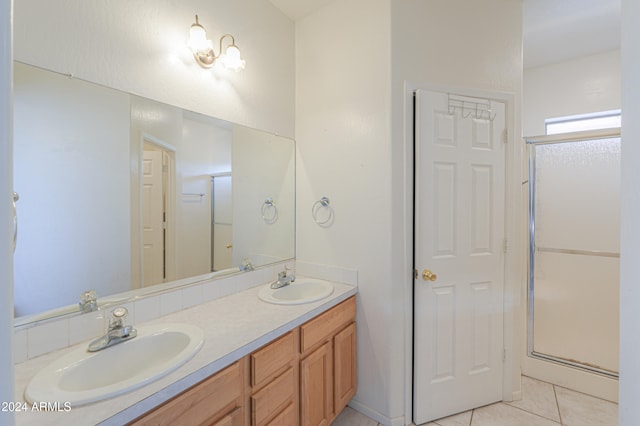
82,377
302,290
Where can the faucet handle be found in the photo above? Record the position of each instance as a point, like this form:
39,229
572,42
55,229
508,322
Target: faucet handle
283,274
117,315
88,301
120,312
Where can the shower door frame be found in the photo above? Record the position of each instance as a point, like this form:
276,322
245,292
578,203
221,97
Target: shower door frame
531,143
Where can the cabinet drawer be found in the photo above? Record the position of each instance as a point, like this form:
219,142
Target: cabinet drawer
202,403
271,359
273,397
286,418
320,328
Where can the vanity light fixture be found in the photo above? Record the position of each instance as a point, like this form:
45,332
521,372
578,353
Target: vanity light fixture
202,49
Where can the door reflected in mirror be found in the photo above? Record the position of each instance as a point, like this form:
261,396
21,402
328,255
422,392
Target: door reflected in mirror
121,193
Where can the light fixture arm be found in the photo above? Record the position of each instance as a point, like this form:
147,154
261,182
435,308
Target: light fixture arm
233,43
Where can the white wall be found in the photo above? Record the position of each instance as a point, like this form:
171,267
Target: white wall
140,47
6,221
205,150
353,147
580,86
56,151
343,139
629,408
255,180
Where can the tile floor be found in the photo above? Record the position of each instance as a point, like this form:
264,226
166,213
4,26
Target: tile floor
542,404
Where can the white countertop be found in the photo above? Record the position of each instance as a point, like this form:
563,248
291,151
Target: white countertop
234,326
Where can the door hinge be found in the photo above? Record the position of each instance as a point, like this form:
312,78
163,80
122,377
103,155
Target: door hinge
504,354
505,246
505,136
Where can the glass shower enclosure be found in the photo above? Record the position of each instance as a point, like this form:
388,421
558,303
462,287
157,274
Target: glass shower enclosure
574,239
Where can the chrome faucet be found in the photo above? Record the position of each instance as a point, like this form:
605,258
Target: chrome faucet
88,301
283,279
246,265
116,333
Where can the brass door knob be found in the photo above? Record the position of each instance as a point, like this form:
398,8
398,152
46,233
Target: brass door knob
427,275
229,245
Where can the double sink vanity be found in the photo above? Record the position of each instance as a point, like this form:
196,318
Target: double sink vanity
262,356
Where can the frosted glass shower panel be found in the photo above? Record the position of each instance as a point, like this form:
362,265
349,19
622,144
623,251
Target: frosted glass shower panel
577,195
575,228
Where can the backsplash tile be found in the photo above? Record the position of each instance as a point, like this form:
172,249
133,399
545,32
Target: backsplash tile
171,302
147,309
37,339
47,337
88,326
192,295
20,353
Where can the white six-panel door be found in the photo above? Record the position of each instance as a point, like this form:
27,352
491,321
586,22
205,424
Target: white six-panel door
152,219
459,255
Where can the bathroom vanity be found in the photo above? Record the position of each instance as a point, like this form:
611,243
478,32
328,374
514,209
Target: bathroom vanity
260,364
309,374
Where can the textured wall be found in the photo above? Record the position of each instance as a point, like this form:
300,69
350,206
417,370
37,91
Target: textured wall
579,86
140,47
350,129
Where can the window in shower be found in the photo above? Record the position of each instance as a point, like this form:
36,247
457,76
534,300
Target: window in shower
574,210
582,122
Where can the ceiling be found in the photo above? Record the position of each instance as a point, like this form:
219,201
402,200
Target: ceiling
557,30
296,9
554,30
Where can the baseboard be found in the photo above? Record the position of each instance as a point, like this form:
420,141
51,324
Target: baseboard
515,396
374,415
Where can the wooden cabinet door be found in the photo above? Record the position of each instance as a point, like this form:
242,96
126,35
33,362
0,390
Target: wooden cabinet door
344,365
316,387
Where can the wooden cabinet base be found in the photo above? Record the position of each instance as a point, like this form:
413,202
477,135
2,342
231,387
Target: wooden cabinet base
305,377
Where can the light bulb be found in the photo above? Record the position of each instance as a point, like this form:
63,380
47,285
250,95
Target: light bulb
198,42
232,60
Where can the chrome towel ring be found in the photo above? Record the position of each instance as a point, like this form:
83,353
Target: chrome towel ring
269,211
322,204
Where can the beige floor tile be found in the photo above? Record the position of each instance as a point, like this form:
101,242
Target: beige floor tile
577,409
462,419
505,415
538,398
351,417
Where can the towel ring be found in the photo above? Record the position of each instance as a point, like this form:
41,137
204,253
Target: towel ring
322,202
269,211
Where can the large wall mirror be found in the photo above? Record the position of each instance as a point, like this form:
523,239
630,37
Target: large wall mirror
123,194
